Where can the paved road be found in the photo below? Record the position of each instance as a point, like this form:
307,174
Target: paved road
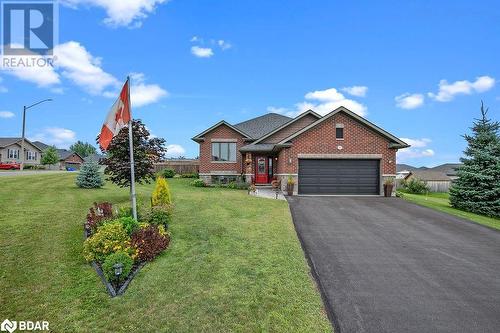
386,265
29,172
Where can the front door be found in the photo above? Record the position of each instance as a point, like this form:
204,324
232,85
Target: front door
261,170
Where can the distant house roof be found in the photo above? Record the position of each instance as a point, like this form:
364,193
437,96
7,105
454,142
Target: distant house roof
404,167
93,158
64,154
41,145
262,125
428,175
4,142
449,169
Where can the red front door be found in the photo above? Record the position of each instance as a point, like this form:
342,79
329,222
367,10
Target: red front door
261,170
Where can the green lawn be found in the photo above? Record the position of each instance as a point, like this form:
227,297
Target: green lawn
440,201
234,264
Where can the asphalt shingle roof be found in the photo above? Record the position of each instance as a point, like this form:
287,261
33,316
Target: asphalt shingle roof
428,175
259,147
8,141
41,145
260,126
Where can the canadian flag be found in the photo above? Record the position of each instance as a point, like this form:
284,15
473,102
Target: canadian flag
117,118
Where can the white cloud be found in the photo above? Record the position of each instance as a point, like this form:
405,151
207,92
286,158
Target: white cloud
202,52
194,39
143,94
6,114
174,150
276,110
419,148
448,91
78,65
81,67
322,102
129,13
358,91
409,101
59,137
224,45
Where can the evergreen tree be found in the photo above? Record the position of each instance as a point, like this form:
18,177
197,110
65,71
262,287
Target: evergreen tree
89,176
146,152
477,188
50,156
83,149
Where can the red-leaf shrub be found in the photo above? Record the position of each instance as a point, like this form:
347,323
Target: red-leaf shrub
149,242
97,214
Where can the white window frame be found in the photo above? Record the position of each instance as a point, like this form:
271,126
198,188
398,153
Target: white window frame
31,155
13,153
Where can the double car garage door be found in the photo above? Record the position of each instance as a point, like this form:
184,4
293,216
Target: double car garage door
339,176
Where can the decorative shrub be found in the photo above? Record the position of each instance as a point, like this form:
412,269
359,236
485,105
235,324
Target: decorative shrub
129,224
89,176
189,175
237,185
117,258
160,215
161,194
97,215
415,185
149,242
198,183
109,238
168,173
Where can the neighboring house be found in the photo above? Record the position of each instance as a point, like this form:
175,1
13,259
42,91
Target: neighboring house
10,151
449,169
339,153
67,158
436,181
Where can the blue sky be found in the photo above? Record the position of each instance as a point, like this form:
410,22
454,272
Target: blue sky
419,69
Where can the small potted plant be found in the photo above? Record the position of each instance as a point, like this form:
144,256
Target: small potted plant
388,186
289,185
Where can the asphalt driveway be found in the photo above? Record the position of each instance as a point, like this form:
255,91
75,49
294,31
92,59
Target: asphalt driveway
387,265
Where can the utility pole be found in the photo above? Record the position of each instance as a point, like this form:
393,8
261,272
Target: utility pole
23,155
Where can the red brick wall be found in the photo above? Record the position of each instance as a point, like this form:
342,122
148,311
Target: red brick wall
291,129
358,139
221,132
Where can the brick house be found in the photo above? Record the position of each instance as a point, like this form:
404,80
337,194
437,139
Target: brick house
339,153
67,158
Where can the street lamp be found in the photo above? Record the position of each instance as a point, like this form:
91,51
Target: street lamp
24,127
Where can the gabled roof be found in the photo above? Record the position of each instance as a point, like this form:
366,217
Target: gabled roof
199,137
449,169
428,175
4,142
64,154
41,145
291,121
262,125
396,142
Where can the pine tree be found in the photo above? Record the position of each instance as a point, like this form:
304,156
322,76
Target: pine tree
477,188
161,194
89,176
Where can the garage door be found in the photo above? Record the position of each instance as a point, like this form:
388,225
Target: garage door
340,176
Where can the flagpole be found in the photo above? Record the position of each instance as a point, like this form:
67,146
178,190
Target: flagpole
132,164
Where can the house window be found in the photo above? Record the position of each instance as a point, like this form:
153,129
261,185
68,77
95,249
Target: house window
224,151
13,153
31,155
339,131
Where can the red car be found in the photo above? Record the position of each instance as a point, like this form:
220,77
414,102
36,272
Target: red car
9,166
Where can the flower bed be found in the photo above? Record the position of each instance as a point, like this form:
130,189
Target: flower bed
118,246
